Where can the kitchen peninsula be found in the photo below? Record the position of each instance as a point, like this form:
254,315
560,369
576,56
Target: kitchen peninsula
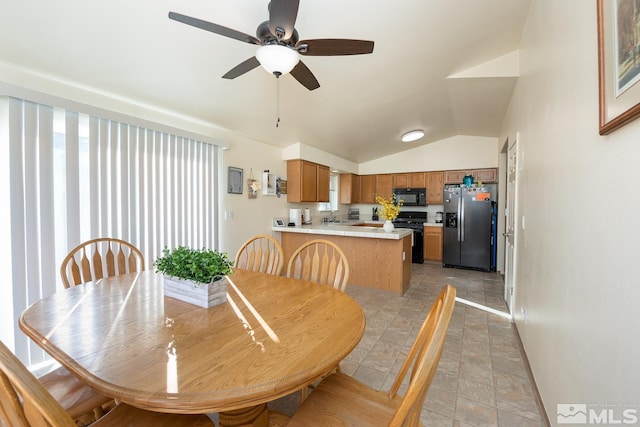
376,259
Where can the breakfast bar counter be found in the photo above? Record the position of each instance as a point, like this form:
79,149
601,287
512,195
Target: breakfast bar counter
377,259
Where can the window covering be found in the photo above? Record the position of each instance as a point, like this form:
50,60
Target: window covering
74,177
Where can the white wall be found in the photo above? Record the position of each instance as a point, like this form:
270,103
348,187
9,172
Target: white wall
250,216
578,273
456,152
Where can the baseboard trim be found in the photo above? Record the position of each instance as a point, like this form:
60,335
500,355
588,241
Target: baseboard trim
536,392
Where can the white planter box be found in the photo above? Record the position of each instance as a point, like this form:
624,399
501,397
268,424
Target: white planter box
199,294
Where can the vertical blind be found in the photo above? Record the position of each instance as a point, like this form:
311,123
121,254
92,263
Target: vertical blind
75,177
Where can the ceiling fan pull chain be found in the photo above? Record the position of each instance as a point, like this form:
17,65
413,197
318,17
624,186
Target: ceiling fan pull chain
277,99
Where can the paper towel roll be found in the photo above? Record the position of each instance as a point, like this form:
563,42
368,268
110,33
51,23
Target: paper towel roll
307,216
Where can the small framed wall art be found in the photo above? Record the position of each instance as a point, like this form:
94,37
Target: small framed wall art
234,180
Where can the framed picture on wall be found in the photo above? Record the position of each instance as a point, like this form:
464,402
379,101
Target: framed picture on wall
234,180
618,63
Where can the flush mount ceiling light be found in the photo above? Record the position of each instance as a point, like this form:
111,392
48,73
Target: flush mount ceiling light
277,59
412,135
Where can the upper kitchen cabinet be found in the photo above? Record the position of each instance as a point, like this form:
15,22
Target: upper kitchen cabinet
384,185
485,175
409,180
307,182
455,177
324,185
349,188
367,189
435,186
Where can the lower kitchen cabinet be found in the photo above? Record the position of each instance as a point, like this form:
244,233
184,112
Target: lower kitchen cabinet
433,243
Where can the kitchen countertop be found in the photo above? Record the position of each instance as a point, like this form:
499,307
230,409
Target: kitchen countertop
347,228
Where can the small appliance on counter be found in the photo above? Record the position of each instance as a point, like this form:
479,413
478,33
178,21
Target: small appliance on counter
354,214
439,217
306,218
295,217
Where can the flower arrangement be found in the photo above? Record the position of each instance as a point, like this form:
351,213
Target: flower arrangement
256,186
390,206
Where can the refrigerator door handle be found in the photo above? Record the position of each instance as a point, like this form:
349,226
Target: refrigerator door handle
458,219
461,221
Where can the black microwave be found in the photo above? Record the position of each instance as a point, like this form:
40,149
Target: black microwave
412,196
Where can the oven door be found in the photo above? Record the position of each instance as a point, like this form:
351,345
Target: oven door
417,242
417,250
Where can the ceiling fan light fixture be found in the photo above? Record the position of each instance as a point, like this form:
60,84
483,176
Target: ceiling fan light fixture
413,135
277,59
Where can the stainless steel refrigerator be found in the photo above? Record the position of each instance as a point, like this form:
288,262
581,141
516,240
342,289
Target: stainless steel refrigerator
469,227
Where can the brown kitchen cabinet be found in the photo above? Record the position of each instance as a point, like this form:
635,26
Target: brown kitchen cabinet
435,186
485,175
367,189
324,185
488,175
384,185
307,182
455,176
409,180
432,243
349,188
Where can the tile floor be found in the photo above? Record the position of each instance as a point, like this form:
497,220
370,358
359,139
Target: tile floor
481,380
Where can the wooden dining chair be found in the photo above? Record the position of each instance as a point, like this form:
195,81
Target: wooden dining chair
80,401
261,253
341,400
320,261
91,260
99,258
25,402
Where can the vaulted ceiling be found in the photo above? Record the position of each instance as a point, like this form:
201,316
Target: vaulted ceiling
446,66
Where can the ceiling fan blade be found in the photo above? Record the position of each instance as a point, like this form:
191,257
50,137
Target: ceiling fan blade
282,18
334,47
304,75
214,28
242,68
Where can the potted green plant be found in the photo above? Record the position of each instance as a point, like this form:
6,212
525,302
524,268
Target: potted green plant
197,276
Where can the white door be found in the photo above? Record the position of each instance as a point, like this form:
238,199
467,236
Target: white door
510,229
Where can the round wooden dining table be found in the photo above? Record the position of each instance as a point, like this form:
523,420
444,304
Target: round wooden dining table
124,338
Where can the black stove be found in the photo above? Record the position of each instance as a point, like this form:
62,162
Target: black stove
410,219
414,220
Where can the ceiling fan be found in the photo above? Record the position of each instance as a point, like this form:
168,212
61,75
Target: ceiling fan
279,44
